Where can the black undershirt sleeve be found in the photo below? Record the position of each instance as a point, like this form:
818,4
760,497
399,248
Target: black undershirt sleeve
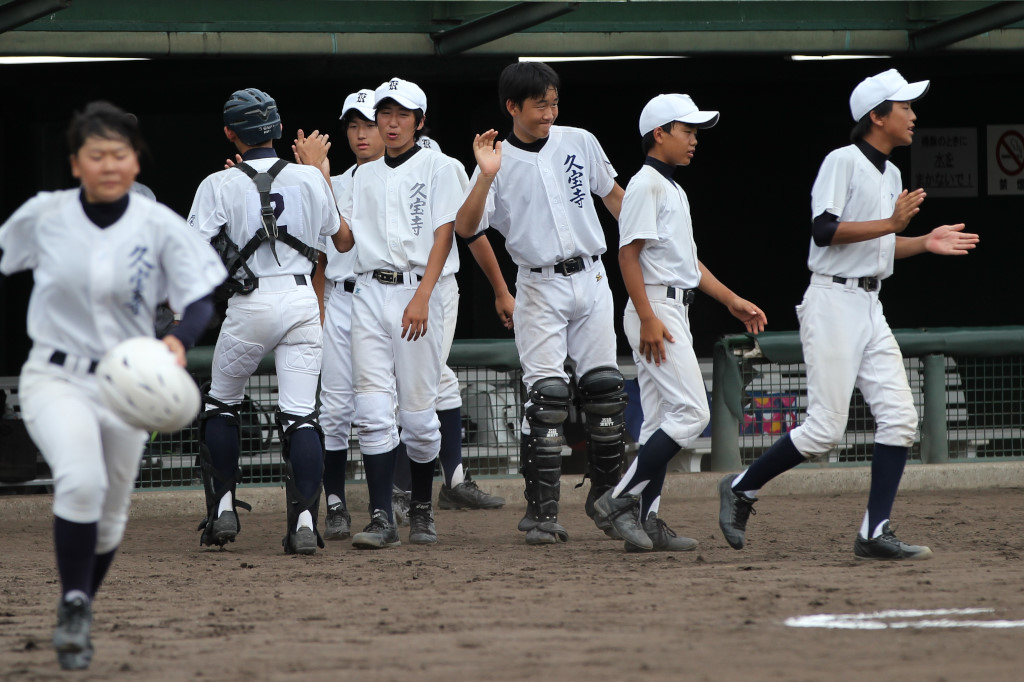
823,228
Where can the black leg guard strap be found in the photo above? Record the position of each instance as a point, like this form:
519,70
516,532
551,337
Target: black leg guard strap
216,484
541,456
297,503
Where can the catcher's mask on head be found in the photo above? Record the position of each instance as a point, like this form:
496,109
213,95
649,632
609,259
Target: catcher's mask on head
252,115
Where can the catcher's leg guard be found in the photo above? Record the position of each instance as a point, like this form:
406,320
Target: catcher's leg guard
312,450
604,404
218,531
542,460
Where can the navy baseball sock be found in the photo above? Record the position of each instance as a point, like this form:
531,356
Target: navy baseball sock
651,492
402,477
99,570
380,471
451,446
335,462
422,480
76,552
651,462
221,437
887,464
779,458
306,454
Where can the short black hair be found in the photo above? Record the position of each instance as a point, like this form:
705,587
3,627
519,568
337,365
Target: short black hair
863,126
392,100
523,80
103,120
647,142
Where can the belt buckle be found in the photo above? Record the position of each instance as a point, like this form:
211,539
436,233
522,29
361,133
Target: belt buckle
688,296
869,283
572,266
387,276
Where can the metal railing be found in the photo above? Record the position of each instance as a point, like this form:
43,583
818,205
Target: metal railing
489,376
967,386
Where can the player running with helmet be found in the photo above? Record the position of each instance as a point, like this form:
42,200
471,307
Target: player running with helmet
102,258
536,191
661,271
271,214
858,210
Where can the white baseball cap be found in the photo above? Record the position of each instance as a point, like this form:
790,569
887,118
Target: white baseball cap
428,143
406,93
888,86
362,102
665,108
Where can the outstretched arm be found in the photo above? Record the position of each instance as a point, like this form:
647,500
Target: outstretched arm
488,158
312,151
504,302
752,317
908,204
945,240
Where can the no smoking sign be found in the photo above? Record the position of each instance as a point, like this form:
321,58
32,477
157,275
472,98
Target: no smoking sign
1006,159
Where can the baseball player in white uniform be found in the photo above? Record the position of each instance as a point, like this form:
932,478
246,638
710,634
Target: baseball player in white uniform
660,268
858,210
102,259
401,210
275,308
536,191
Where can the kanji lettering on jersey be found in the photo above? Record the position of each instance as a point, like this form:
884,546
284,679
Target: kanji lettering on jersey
419,200
574,174
143,269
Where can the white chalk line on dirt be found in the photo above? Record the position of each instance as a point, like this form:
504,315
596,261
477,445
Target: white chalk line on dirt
880,620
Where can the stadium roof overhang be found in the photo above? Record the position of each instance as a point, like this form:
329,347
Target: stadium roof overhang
344,28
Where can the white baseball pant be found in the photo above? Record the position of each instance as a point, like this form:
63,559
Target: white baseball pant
385,365
93,455
281,315
558,316
337,399
672,394
847,342
448,395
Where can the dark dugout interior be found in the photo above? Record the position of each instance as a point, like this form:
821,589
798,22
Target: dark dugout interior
748,186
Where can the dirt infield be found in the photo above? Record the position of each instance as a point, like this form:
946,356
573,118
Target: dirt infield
481,605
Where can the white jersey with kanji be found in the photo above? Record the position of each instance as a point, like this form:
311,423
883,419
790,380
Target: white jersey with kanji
303,206
656,210
393,212
340,266
541,201
850,187
97,287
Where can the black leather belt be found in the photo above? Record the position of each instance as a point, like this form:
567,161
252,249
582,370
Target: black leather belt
687,295
250,284
349,285
570,266
59,357
865,283
392,277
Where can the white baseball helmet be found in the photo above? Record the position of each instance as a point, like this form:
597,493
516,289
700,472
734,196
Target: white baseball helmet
141,382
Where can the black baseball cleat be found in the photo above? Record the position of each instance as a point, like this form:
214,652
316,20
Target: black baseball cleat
663,537
400,505
888,547
71,637
337,523
467,495
225,529
623,513
421,524
378,534
302,541
601,523
733,511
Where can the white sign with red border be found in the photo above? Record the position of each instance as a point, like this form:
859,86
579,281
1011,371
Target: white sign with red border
1005,147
